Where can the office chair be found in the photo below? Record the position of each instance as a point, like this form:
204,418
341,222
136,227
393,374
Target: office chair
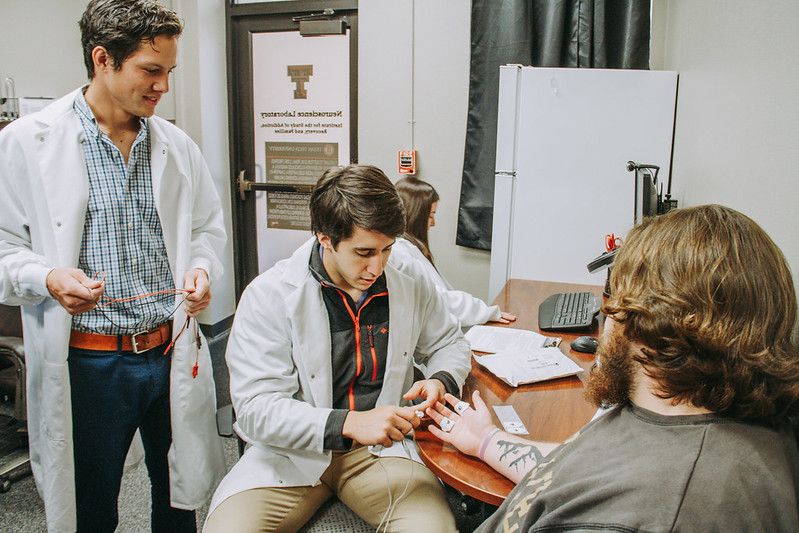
332,517
12,382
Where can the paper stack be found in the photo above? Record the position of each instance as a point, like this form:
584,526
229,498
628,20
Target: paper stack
518,356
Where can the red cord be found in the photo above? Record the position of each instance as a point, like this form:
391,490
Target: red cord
134,298
196,369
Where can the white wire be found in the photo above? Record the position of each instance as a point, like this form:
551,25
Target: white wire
388,486
392,506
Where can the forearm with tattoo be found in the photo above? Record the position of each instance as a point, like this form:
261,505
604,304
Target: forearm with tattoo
518,454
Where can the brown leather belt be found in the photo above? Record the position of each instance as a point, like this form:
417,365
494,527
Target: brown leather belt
137,343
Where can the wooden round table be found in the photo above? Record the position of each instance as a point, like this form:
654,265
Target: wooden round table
551,410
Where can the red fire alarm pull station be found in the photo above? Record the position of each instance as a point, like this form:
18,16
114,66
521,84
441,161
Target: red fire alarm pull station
407,161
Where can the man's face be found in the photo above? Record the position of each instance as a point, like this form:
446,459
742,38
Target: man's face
611,383
137,87
357,262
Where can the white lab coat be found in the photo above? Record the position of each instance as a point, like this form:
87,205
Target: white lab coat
279,357
43,200
468,309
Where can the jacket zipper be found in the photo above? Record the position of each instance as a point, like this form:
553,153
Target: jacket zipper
356,320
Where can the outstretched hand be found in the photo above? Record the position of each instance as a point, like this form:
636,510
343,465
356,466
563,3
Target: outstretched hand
470,427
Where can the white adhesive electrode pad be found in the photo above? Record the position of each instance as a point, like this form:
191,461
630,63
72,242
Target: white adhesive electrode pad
510,419
446,424
460,407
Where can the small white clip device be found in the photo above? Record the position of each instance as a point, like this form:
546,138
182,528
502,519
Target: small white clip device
460,407
446,424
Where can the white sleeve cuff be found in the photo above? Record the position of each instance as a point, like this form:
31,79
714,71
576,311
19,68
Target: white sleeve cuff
33,280
204,265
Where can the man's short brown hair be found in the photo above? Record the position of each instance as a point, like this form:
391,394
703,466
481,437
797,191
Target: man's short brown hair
711,297
355,195
121,26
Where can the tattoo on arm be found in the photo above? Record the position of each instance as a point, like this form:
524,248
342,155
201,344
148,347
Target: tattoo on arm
519,453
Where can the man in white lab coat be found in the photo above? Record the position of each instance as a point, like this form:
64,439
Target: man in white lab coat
101,200
321,359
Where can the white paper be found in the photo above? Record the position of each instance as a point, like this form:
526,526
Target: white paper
518,368
510,419
492,339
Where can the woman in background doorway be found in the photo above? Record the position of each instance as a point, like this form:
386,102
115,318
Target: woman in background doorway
421,202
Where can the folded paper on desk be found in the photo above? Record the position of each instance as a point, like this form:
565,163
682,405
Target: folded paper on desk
494,339
521,367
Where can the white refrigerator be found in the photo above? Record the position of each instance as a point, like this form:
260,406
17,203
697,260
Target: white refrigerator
564,137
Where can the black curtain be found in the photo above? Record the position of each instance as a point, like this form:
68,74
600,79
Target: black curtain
541,33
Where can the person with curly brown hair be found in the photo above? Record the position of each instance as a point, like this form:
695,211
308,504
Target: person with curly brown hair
699,365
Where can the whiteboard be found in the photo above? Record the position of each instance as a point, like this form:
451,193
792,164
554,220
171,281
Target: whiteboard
572,133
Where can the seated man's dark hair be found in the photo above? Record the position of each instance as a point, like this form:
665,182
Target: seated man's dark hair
711,297
355,195
120,26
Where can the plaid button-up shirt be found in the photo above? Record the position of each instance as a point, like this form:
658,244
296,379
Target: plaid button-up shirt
122,235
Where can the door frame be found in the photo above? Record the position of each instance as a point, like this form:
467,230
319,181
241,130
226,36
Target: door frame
243,20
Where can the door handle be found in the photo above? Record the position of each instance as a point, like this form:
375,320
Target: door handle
246,186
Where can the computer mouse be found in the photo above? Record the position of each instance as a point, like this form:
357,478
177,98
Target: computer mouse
584,344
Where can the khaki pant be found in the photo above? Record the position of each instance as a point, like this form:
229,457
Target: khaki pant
361,481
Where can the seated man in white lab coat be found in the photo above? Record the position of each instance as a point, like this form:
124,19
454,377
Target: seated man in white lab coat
321,359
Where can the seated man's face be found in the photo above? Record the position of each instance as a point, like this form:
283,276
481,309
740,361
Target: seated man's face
357,262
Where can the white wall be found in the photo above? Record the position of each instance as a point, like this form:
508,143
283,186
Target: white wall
737,127
737,123
737,119
201,110
415,67
45,59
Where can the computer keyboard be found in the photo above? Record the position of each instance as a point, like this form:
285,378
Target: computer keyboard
567,310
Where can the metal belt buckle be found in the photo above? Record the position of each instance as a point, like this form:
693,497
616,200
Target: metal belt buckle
135,342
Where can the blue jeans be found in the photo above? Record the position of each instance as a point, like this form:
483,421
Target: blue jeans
113,394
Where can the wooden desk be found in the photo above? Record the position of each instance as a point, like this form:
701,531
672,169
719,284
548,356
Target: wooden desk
552,410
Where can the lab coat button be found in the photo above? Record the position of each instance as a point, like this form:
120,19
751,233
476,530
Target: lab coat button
58,224
41,139
313,376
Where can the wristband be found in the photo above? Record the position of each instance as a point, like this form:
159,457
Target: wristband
486,440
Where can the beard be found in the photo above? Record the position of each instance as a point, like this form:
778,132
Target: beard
611,382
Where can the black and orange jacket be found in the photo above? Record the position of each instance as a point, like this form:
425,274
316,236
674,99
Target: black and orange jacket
359,348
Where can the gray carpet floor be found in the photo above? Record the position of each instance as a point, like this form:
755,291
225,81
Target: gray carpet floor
21,509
